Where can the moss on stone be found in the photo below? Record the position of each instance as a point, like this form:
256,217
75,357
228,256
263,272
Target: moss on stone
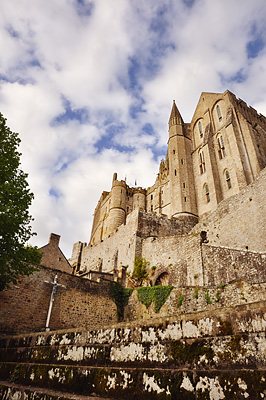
183,352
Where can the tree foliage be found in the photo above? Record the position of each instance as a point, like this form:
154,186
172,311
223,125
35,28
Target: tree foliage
140,272
16,258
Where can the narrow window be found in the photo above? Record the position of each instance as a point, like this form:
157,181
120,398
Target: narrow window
219,112
175,172
228,180
174,151
200,129
202,162
151,207
151,196
221,148
185,199
182,161
184,185
127,209
207,193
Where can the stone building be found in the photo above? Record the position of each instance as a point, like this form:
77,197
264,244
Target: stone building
214,160
53,257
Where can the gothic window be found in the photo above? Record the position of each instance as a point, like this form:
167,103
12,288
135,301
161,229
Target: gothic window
202,162
200,129
219,112
207,193
221,148
228,180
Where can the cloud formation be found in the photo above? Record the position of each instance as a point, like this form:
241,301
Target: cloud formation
89,86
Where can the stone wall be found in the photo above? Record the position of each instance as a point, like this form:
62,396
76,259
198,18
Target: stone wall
240,221
212,355
77,302
196,300
178,256
223,265
114,251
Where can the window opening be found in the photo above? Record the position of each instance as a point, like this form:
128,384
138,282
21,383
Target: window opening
228,180
207,193
185,199
219,112
151,207
221,148
202,162
175,172
184,185
151,196
174,151
200,129
182,161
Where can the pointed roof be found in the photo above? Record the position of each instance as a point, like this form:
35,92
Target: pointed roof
175,117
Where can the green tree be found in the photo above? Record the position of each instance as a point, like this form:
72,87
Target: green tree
16,257
140,273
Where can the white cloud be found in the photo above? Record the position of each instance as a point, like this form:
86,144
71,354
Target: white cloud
59,58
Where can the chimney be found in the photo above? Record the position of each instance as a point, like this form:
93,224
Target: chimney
54,240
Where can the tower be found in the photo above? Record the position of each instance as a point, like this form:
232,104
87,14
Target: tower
183,199
117,211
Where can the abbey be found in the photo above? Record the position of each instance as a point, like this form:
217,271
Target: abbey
210,163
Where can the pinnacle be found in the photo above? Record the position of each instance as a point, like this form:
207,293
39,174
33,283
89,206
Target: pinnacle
175,117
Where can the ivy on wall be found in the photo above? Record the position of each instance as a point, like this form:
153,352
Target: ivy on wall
156,294
120,296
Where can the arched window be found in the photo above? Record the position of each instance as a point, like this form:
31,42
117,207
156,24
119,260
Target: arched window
228,180
200,129
207,193
221,148
202,162
219,112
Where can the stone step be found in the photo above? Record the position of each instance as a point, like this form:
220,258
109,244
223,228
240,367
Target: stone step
138,383
11,391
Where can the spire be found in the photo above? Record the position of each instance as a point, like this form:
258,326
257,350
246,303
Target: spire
175,117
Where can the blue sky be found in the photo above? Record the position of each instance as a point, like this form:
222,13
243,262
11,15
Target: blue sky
89,86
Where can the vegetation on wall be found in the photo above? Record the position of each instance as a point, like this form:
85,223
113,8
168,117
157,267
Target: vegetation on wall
156,294
120,296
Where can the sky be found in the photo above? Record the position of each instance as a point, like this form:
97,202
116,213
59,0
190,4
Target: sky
89,86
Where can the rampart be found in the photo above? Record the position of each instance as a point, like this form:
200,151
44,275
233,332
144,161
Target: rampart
78,302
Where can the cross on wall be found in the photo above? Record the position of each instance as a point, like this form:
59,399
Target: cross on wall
55,284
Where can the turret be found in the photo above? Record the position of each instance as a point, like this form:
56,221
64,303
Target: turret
139,198
183,199
117,211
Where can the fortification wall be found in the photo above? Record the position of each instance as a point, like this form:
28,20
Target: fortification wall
223,265
178,256
239,221
78,302
114,251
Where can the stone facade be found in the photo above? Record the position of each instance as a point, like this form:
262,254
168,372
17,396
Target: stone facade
52,255
214,173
